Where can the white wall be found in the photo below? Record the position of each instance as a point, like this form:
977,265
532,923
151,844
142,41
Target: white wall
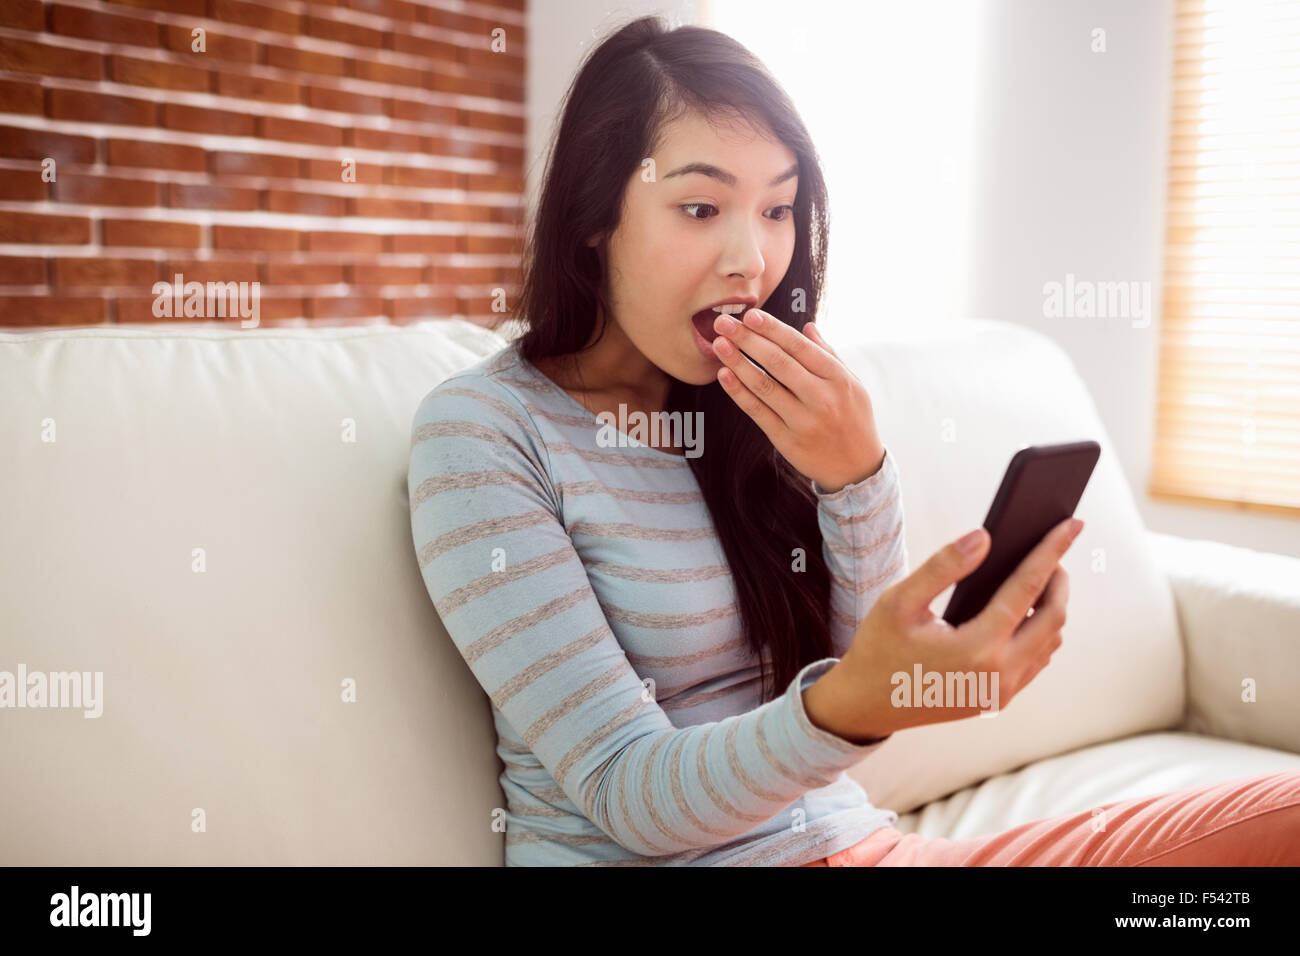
1067,176
560,33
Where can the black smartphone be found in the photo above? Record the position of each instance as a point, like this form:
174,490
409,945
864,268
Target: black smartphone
1041,488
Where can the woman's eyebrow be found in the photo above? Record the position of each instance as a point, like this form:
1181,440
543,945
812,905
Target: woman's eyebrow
708,169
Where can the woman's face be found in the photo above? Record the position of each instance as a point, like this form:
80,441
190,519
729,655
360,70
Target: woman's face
714,224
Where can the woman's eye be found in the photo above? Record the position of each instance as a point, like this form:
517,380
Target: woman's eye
698,205
704,205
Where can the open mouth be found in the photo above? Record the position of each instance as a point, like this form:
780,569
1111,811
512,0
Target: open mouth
703,321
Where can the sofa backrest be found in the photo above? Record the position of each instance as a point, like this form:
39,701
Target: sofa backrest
216,520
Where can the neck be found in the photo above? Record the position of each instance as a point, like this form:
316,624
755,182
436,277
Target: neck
616,369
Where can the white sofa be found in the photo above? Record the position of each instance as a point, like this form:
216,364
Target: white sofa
216,520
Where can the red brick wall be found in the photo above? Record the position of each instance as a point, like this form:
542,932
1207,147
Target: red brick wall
227,165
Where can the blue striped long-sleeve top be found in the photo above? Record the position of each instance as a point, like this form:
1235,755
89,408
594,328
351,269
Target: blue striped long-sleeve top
588,592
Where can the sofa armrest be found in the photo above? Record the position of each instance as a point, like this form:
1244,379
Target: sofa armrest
1239,613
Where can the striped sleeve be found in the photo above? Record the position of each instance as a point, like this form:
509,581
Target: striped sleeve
514,596
862,541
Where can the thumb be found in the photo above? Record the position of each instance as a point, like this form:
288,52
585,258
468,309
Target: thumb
944,568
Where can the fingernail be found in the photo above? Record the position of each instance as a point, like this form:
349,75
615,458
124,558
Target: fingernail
1076,525
968,543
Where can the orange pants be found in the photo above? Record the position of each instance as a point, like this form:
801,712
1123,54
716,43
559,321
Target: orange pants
1246,821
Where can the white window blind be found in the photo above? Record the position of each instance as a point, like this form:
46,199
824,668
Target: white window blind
1228,414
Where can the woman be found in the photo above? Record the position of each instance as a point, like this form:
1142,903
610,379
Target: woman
687,644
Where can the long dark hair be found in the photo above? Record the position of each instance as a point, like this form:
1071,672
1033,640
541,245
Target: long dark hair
632,84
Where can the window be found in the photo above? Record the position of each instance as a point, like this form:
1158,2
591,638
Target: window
1228,413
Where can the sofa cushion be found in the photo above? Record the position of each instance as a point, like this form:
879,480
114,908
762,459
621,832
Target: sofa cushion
216,520
954,402
1140,766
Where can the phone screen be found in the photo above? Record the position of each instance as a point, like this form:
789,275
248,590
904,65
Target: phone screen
1041,488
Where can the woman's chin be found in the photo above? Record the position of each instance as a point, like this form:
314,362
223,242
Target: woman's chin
701,372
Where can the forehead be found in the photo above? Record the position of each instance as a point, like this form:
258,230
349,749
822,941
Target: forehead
730,151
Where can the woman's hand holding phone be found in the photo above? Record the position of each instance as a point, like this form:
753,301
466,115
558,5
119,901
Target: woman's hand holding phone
853,699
